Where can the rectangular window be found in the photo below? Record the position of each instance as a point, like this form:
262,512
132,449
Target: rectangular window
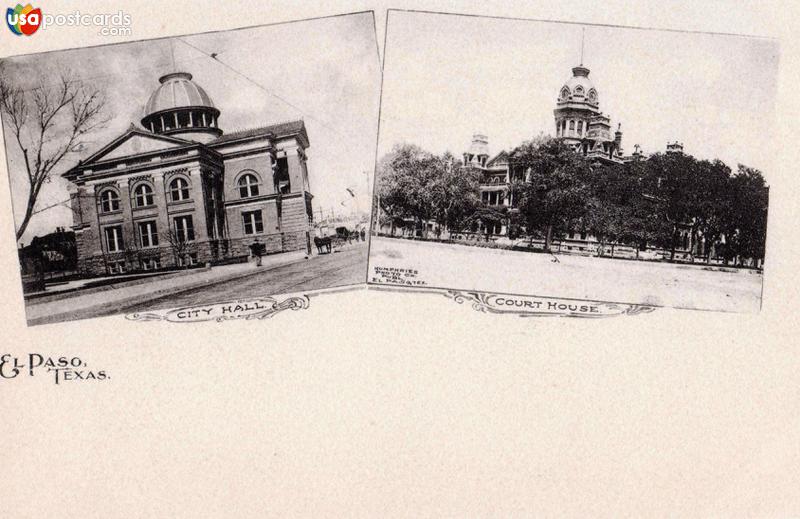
187,259
151,264
143,195
148,235
280,171
184,228
580,127
252,221
114,241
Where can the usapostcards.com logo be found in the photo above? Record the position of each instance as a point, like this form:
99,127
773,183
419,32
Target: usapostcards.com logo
23,20
27,20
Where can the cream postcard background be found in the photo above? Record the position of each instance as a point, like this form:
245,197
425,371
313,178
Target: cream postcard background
376,404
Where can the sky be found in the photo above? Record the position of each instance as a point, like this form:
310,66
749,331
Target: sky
447,77
325,71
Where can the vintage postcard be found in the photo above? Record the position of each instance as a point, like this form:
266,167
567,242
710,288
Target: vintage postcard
394,402
573,161
191,170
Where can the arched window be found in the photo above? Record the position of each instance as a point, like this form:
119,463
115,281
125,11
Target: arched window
179,189
579,91
564,93
143,195
109,201
248,185
593,95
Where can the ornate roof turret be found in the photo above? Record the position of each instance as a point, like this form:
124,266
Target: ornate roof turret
479,146
579,89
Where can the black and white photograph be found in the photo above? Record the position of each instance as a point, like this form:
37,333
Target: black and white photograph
585,162
384,259
189,170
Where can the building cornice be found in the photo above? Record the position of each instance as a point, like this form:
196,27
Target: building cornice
263,198
201,159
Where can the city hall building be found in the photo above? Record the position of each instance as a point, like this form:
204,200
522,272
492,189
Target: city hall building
178,191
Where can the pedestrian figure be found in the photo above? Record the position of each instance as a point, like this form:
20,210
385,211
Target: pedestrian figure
257,249
363,234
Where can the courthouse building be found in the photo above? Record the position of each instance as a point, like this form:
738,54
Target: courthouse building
177,190
578,122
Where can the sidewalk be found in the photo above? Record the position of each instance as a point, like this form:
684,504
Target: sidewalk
572,277
119,296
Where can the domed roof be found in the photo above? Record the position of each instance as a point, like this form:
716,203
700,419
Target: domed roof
177,90
579,86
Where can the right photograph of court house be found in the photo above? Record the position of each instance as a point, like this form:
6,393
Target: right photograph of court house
574,161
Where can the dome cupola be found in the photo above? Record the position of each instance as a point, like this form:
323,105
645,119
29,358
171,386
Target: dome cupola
181,108
579,89
577,113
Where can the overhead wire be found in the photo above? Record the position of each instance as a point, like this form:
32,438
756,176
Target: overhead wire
214,56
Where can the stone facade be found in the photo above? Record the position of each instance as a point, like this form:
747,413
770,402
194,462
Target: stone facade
179,191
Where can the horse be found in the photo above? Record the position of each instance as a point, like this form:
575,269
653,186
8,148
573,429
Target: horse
322,243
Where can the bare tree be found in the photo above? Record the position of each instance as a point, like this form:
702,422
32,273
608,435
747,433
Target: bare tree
48,122
179,246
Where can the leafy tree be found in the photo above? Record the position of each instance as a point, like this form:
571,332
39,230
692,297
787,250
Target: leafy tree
405,177
554,189
487,215
394,222
644,226
711,202
425,187
746,232
552,186
454,194
610,210
669,182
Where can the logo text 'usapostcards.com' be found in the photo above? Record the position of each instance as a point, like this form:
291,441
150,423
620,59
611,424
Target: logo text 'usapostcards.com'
26,20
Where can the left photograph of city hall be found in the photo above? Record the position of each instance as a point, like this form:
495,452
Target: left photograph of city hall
191,170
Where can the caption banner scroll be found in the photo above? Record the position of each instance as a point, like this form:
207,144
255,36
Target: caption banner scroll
261,308
528,306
